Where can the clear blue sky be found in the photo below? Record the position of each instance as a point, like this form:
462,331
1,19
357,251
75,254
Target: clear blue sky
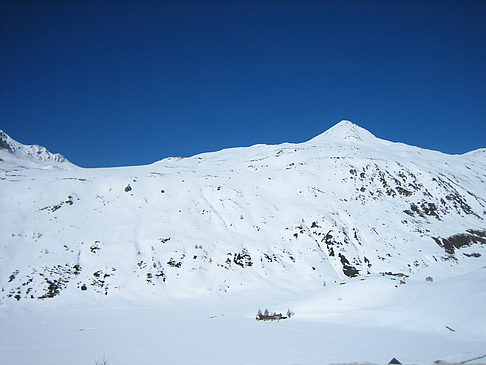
111,83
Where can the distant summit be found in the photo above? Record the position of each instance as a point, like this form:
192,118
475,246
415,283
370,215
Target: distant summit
345,131
32,152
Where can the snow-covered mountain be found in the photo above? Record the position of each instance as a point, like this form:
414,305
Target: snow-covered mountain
35,153
293,216
378,247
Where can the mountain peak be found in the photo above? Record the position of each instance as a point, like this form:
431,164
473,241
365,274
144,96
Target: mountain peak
6,143
345,131
33,152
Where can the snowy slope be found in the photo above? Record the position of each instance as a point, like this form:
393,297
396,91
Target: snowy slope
12,149
315,226
343,204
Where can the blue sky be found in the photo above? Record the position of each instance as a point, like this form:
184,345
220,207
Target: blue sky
111,83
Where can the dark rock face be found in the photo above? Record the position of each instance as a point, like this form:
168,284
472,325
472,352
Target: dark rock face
242,258
457,241
349,271
4,145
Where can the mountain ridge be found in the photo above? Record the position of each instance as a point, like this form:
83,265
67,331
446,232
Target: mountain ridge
33,152
345,132
292,216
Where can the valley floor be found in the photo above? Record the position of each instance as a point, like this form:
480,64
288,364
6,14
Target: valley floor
371,320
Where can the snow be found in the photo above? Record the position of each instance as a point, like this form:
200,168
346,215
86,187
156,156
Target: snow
32,152
369,320
170,262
